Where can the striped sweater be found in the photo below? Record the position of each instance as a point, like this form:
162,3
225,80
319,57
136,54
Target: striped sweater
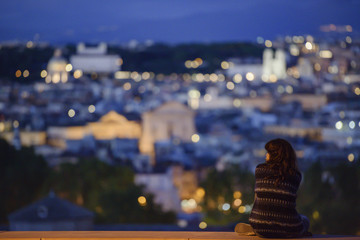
274,213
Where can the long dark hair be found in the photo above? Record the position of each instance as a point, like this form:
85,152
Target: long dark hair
282,156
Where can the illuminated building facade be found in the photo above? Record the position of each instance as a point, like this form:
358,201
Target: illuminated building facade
56,69
110,126
309,102
170,120
95,59
274,65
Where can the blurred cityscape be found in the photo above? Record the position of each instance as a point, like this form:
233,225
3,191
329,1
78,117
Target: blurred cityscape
149,136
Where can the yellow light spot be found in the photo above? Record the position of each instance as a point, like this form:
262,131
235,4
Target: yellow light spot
315,215
91,108
237,194
78,74
207,98
250,76
339,125
289,89
145,75
230,85
122,75
71,113
16,124
268,43
357,91
29,44
237,78
213,77
120,61
127,86
351,157
221,77
296,74
294,50
203,225
194,93
18,73
48,79
199,61
200,77
136,76
43,74
273,78
348,39
142,200
194,64
195,138
237,202
68,67
26,73
237,103
349,28
56,78
242,209
200,192
225,65
325,54
265,78
317,67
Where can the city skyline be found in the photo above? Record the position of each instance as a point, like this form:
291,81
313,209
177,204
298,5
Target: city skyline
160,21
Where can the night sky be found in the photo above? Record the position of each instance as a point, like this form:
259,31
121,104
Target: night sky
170,21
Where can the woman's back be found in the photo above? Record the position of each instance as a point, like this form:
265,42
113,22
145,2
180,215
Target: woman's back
274,212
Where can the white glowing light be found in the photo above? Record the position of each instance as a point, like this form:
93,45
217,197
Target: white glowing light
91,109
250,76
308,45
195,138
71,113
43,73
339,125
225,206
325,54
230,85
237,78
68,67
237,103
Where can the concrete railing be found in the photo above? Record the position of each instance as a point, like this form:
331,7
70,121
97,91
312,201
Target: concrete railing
139,235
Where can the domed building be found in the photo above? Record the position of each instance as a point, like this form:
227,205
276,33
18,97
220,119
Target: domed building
56,69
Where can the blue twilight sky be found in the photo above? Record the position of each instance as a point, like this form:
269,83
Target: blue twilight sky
171,21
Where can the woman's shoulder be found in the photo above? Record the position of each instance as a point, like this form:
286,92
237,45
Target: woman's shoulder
266,166
262,165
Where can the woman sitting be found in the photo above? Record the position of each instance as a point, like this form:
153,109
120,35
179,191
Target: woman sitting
277,181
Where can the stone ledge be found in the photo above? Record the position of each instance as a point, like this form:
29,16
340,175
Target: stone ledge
140,235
